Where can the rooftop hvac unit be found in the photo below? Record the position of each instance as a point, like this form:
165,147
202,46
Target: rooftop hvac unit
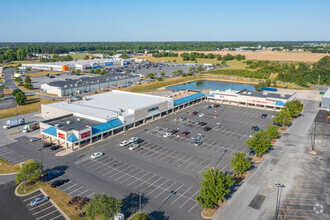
282,95
65,86
249,93
68,122
265,93
244,92
57,125
78,119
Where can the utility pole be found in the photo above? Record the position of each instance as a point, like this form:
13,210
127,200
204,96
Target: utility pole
313,139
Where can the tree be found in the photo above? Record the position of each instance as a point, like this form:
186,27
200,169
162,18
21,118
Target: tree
274,83
215,186
200,68
151,75
259,86
103,206
97,71
14,93
79,202
30,172
268,82
1,96
294,107
180,71
10,55
27,79
272,131
174,61
91,71
73,71
20,54
160,79
283,118
28,69
20,98
240,163
190,74
184,75
260,143
162,74
174,73
28,86
18,79
16,68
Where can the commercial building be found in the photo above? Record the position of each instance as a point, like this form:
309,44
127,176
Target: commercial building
265,99
87,84
75,123
326,100
78,64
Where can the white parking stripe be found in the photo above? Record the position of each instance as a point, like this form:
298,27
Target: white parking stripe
51,206
193,207
39,205
181,195
75,190
91,194
47,214
70,187
165,190
32,197
83,192
158,187
56,217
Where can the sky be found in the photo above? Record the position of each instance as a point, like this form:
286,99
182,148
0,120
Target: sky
159,20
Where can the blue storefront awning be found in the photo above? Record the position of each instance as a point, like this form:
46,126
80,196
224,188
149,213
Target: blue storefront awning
106,126
51,131
188,98
72,138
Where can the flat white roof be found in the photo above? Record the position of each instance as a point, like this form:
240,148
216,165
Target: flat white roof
105,106
327,93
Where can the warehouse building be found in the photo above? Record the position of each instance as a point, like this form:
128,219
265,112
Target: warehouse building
326,100
265,99
76,123
88,84
78,64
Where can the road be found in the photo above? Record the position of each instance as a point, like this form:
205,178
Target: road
8,80
11,207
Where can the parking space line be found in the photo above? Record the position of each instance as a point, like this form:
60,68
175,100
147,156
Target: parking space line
146,181
83,192
152,183
137,179
51,206
32,197
47,214
181,195
75,190
126,174
131,177
193,207
39,205
158,186
69,187
56,217
91,194
165,190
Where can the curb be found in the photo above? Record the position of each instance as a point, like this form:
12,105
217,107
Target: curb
45,194
7,174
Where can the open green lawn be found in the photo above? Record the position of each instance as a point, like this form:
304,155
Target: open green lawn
32,105
76,56
6,167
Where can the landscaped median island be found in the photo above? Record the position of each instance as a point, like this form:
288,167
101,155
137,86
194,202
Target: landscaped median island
140,216
7,168
217,186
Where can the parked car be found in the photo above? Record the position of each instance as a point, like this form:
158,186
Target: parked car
182,118
174,131
54,147
58,183
132,139
197,143
194,113
124,143
263,115
255,128
167,134
201,115
33,139
207,128
50,175
202,123
197,122
216,105
139,140
47,145
219,124
208,106
38,201
96,155
185,133
134,146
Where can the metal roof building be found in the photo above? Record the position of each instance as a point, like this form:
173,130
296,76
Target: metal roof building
326,100
74,122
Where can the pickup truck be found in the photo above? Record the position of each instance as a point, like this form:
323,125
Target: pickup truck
51,175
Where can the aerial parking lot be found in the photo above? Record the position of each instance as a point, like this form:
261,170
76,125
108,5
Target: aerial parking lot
166,163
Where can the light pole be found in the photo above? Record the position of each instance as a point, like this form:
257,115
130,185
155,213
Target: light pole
313,139
278,198
17,117
140,194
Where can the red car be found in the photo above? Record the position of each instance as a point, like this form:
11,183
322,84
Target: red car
174,131
185,133
194,113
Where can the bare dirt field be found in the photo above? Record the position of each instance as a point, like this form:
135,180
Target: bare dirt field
269,55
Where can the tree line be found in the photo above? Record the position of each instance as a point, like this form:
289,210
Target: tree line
194,56
165,54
